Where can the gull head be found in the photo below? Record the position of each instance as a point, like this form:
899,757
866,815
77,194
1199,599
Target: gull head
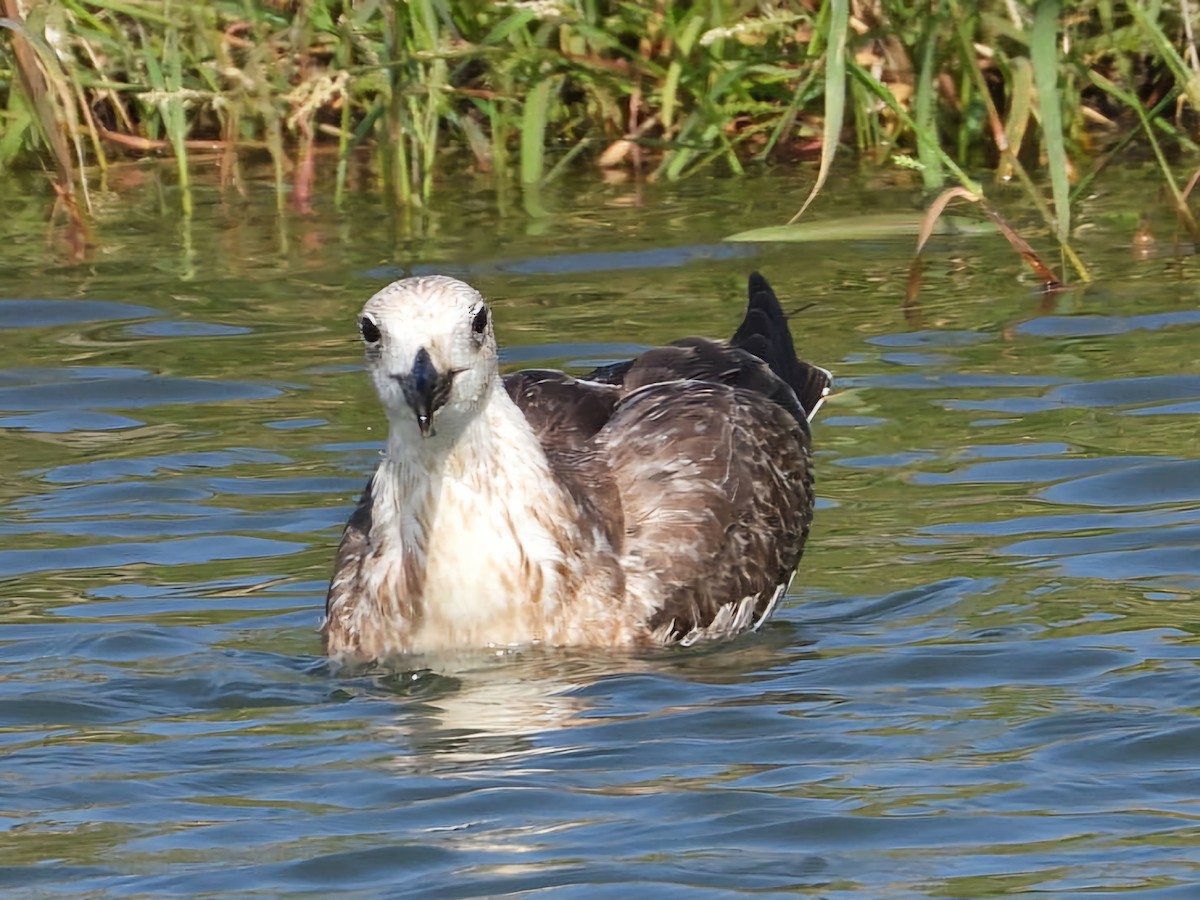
431,354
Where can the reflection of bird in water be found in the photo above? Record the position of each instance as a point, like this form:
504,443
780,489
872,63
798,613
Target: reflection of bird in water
475,705
662,500
471,706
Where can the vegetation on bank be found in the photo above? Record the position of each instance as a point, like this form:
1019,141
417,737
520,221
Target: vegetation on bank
418,91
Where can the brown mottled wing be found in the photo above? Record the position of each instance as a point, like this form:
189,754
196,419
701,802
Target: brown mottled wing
355,546
695,457
566,413
716,487
760,357
701,359
563,411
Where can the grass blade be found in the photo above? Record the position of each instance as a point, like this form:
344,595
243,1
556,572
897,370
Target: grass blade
835,95
1044,52
859,228
533,131
933,215
176,121
670,90
1050,281
1020,109
48,98
932,172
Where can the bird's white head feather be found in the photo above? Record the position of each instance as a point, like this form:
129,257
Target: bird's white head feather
448,320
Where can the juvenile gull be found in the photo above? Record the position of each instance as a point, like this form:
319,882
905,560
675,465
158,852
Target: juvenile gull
662,500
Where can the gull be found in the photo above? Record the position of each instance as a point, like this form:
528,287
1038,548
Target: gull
663,500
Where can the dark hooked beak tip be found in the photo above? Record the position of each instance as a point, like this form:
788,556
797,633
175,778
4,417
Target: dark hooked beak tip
425,390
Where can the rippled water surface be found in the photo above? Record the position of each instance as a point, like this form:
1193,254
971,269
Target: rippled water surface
984,681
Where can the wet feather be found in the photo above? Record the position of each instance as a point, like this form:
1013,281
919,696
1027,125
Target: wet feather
662,500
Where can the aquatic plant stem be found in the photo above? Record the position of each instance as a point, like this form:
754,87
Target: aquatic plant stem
1043,50
838,12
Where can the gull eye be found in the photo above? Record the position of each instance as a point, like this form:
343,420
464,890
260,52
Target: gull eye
370,331
479,323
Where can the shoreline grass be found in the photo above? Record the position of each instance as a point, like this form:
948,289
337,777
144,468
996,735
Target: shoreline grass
523,89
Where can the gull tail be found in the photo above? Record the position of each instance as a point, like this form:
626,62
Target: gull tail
765,333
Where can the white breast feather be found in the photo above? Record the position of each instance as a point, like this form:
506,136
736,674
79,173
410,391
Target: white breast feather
490,536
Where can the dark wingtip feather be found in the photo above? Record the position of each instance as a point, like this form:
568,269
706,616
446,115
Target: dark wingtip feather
758,283
763,302
765,333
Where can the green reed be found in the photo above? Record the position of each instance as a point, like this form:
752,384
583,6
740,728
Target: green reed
415,93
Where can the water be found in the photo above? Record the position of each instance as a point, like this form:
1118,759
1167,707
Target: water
984,683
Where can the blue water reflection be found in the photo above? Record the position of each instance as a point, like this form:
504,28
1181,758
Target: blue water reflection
983,684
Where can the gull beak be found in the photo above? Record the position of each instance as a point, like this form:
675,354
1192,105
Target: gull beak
425,390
